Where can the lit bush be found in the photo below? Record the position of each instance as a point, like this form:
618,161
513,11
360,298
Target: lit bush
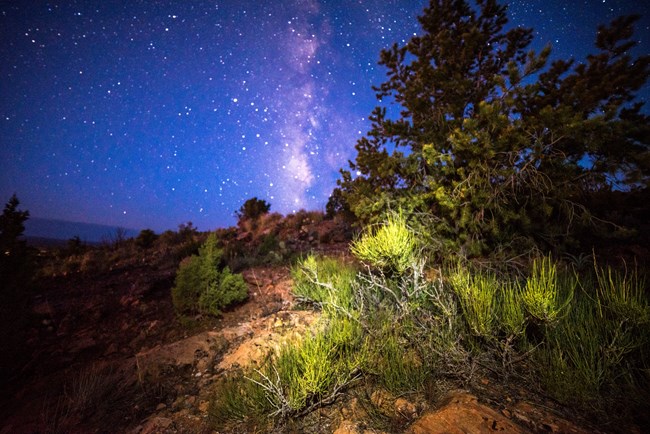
306,374
202,286
623,294
324,281
391,247
395,357
512,316
546,295
477,295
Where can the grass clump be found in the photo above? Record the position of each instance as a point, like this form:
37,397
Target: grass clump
298,378
396,361
238,400
390,248
327,282
401,328
623,294
574,364
546,296
596,357
477,295
511,312
203,286
315,371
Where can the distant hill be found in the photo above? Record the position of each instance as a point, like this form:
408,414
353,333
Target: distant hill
44,231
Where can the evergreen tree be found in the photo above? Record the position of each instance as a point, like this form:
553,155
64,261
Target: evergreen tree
493,146
15,283
14,258
12,226
252,209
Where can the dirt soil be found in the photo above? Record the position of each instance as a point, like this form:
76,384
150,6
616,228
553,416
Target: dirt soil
109,354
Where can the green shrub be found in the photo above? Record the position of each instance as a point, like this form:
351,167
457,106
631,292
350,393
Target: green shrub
512,316
238,399
300,377
402,328
597,350
546,295
578,355
146,238
623,295
391,247
324,281
230,288
202,286
394,360
477,294
189,284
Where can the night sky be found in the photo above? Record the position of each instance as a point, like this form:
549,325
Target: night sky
147,114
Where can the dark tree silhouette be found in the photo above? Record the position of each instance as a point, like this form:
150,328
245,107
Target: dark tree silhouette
15,284
252,209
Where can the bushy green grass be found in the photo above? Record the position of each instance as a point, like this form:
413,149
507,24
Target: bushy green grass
299,377
237,400
391,247
546,295
583,338
395,361
511,312
599,348
327,282
477,294
623,294
303,376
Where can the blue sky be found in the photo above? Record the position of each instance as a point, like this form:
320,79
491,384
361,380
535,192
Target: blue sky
146,114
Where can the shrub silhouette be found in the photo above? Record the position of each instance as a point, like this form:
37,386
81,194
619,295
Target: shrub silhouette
252,209
146,238
16,274
203,286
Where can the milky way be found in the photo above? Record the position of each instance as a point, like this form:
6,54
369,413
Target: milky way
149,114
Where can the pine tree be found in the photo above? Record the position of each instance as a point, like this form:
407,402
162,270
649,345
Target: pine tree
252,209
493,146
16,274
12,226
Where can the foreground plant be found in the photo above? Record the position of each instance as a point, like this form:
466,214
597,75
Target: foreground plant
622,294
299,377
544,294
327,282
391,247
201,284
403,331
477,295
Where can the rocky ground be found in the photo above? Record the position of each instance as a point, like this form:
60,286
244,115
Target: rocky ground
108,354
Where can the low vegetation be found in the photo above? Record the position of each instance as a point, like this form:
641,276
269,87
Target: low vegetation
498,165
204,285
581,338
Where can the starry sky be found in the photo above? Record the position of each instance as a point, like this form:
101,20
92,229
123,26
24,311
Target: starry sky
148,114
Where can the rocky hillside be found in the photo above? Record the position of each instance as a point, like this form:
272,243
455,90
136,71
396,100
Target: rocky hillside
106,352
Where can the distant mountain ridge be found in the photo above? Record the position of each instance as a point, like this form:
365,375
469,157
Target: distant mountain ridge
42,228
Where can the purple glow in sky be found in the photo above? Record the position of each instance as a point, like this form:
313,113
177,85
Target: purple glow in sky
146,114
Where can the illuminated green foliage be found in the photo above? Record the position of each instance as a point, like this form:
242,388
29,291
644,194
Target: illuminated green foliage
545,295
477,294
389,247
495,147
324,281
203,286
